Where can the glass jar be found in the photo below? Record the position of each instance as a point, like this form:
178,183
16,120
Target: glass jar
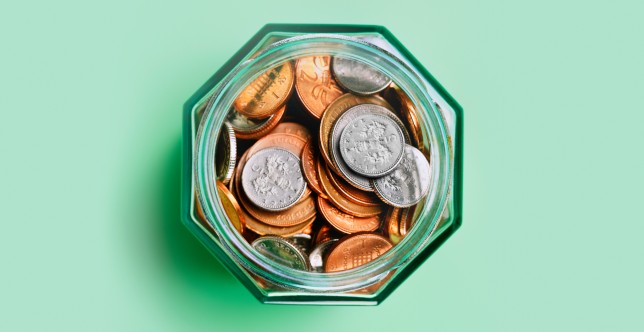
439,127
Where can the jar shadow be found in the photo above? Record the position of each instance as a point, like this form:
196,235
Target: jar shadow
185,258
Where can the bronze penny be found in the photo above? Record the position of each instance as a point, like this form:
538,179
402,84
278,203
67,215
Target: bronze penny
405,221
231,207
392,220
261,228
291,143
265,229
302,211
315,85
309,162
346,223
355,250
263,129
325,233
267,93
333,112
342,203
292,128
352,193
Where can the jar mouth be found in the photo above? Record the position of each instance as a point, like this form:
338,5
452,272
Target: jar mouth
433,129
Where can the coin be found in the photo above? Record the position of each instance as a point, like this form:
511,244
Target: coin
393,225
355,250
344,222
342,203
371,145
325,233
299,214
317,255
281,251
246,128
232,209
309,162
301,241
293,144
408,111
405,221
352,193
329,118
226,153
315,85
408,183
358,77
262,228
272,179
292,128
267,93
354,178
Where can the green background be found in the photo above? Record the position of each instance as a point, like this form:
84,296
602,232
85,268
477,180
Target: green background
90,131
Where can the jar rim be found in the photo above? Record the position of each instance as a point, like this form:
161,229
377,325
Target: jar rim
432,124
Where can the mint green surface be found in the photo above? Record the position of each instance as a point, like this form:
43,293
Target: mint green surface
90,130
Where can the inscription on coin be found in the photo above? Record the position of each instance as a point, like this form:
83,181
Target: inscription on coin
314,84
356,250
408,183
281,251
372,145
358,76
272,179
269,91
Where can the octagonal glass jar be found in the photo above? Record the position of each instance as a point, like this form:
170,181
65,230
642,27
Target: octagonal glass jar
439,125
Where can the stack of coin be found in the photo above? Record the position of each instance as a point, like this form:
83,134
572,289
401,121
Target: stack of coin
322,174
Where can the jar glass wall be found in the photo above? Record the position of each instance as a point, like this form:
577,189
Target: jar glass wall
438,123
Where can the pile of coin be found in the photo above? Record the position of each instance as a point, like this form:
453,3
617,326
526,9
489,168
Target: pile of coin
316,165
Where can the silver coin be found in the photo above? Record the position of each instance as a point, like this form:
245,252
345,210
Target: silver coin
301,241
408,183
226,153
372,145
272,179
355,179
243,124
281,251
316,258
358,77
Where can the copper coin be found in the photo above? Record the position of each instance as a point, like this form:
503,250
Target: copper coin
261,228
325,233
352,193
292,128
339,201
252,130
392,220
346,223
405,221
315,85
301,212
267,93
291,143
265,229
355,250
231,207
333,112
309,162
